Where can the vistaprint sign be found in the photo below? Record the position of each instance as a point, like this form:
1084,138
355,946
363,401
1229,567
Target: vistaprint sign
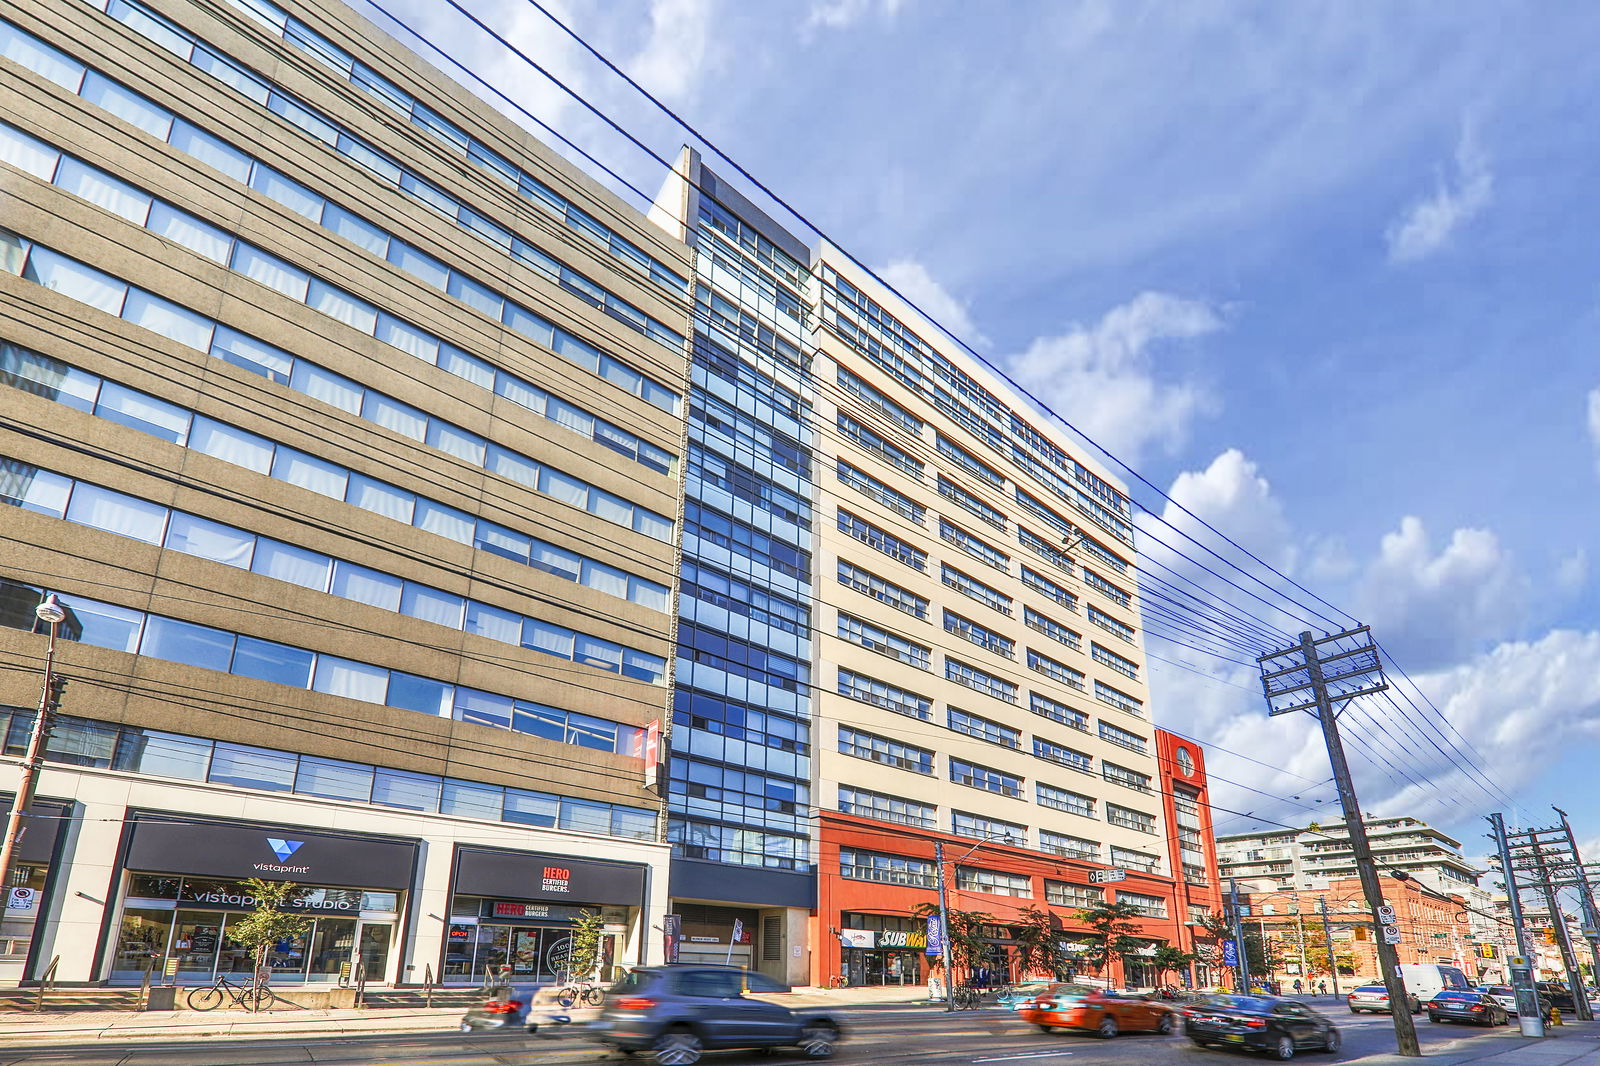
282,849
316,900
232,852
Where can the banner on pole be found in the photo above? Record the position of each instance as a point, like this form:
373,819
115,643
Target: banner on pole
935,937
1230,953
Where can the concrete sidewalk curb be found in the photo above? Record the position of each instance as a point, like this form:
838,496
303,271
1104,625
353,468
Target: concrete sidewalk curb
86,1026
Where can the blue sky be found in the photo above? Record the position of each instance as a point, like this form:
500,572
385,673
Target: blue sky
1325,272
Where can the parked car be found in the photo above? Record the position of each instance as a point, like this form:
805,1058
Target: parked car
1480,1008
1014,997
681,1010
1103,1011
504,1010
1555,994
1504,995
1277,1026
1424,980
1375,998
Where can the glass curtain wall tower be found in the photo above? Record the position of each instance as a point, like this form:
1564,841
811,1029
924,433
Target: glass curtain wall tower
739,790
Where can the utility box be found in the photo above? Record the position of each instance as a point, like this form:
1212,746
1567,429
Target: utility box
1530,1018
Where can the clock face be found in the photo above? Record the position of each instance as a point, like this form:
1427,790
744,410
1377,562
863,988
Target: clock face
1185,762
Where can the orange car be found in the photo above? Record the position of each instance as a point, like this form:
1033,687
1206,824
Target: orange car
1103,1011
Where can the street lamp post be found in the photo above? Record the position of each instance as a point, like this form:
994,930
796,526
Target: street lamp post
52,614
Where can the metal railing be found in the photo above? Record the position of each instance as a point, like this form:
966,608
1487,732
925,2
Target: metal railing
46,983
427,985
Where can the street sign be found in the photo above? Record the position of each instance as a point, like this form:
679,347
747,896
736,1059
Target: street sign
1440,936
1391,934
1097,877
1386,914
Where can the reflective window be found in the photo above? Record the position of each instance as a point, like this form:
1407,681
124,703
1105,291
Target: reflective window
352,680
184,642
367,586
286,562
116,513
136,410
235,764
267,661
334,780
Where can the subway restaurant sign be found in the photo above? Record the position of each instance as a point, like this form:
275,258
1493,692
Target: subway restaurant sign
900,938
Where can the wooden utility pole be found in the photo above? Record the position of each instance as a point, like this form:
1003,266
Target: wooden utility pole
1309,677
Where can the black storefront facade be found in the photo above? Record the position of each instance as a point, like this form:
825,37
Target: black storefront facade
33,879
180,883
514,910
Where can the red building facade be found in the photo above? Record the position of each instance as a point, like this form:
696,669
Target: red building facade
873,875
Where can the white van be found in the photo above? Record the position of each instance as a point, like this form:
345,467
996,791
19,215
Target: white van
1425,980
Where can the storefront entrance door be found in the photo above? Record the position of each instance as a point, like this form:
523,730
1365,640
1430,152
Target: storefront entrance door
374,948
195,943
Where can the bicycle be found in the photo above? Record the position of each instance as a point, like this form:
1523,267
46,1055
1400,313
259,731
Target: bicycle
253,996
966,999
589,995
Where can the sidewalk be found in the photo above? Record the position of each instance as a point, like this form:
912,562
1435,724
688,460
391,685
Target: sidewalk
83,1026
1572,1044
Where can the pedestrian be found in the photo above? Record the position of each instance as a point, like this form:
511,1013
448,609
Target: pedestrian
1322,987
1297,986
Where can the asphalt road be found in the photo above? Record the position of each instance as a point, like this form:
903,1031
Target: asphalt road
879,1037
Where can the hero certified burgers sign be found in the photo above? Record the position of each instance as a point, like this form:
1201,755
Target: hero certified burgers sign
511,875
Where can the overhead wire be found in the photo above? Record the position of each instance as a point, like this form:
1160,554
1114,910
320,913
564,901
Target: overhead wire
1207,549
814,228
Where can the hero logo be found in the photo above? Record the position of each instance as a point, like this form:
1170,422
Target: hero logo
282,849
557,879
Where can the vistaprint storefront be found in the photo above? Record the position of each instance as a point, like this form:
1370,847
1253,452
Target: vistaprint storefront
129,875
184,886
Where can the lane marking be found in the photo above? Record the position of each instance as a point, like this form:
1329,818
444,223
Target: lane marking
1035,1055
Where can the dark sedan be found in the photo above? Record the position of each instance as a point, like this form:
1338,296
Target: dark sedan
1479,1008
1280,1027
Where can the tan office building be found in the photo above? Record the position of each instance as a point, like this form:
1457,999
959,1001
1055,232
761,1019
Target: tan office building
344,419
980,675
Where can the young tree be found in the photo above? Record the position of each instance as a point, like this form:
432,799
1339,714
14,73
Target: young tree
587,930
1265,955
1169,959
965,935
1038,942
1317,952
1115,925
1214,928
269,922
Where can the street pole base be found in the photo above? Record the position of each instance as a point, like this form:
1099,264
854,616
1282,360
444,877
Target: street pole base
1531,1024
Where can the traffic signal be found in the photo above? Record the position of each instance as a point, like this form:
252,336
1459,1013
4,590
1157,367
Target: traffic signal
1360,932
1550,935
52,696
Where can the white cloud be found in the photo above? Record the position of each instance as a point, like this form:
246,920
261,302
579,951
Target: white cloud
1594,424
674,58
1522,704
1572,572
1102,378
1440,607
1233,496
914,282
1428,224
842,14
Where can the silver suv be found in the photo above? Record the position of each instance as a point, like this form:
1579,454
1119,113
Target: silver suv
679,1011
